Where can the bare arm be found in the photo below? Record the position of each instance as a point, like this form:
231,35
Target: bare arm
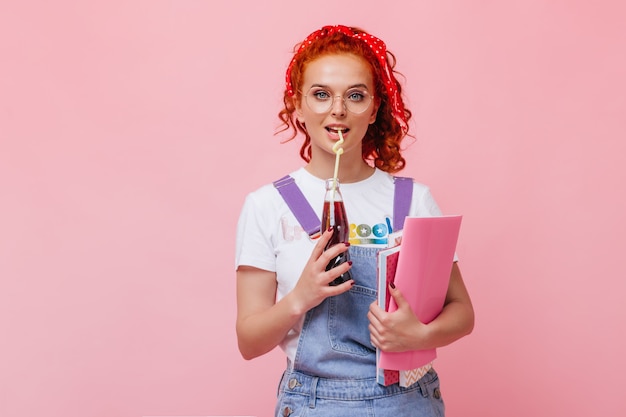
262,323
401,330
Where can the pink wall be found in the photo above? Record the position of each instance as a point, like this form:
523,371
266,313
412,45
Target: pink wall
130,132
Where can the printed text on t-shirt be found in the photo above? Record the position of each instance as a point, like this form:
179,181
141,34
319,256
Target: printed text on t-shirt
362,234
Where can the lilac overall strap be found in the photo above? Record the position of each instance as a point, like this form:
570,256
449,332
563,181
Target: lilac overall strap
298,205
402,197
304,213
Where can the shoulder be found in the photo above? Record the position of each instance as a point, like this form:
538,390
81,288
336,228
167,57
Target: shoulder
265,196
420,189
268,193
422,201
268,200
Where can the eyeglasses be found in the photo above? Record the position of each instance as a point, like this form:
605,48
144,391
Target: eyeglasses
355,100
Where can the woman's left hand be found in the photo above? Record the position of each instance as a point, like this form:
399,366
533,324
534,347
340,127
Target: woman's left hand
401,330
397,331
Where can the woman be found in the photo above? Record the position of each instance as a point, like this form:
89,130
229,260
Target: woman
340,82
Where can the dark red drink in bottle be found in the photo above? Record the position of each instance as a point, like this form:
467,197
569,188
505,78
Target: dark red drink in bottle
334,216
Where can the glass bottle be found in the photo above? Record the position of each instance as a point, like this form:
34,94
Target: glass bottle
334,216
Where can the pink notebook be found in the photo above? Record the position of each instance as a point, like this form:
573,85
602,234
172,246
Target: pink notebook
387,265
422,274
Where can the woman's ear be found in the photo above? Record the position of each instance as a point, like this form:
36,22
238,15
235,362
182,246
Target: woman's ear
374,112
297,103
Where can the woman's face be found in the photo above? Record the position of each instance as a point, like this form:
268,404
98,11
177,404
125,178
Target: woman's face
348,79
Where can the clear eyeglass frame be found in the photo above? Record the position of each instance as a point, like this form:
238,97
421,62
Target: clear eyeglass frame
355,100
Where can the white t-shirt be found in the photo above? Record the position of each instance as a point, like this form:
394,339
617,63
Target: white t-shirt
269,237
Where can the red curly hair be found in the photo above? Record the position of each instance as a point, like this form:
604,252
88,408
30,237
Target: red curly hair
381,144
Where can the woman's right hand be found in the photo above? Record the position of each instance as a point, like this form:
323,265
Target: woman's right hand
262,323
312,287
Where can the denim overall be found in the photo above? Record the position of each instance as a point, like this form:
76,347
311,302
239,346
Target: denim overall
334,370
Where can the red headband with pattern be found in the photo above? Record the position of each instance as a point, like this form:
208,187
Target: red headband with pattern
380,51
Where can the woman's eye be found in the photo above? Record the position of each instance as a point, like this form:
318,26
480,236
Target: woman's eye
321,95
355,96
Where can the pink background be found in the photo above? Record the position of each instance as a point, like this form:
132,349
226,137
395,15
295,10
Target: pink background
130,132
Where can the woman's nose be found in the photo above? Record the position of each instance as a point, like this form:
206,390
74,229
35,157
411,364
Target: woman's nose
338,106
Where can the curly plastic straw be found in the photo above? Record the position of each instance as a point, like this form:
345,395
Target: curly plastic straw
338,151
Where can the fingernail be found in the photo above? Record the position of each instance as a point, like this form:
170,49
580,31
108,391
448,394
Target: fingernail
330,229
392,285
347,243
350,263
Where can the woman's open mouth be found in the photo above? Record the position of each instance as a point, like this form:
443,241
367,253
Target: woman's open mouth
335,130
